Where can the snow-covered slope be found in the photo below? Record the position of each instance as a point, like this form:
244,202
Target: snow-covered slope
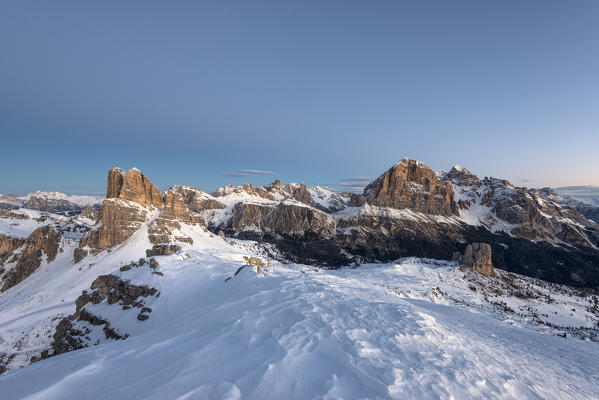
413,329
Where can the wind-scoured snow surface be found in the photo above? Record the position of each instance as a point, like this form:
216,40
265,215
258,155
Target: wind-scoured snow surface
416,329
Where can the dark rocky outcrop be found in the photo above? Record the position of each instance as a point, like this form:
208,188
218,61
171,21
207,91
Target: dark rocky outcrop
115,289
42,241
164,249
70,336
79,254
285,220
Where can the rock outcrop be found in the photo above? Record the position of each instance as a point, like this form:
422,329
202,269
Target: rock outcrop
284,220
130,198
8,245
302,194
165,249
42,241
70,336
298,222
90,213
174,212
411,184
120,219
197,200
133,186
477,257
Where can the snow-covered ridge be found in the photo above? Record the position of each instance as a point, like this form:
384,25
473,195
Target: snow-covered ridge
417,328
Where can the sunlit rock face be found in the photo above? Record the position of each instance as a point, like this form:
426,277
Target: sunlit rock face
413,185
133,186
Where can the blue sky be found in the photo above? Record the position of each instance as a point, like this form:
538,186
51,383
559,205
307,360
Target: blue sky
197,92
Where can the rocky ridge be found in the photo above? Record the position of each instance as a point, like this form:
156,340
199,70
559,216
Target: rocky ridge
408,211
131,200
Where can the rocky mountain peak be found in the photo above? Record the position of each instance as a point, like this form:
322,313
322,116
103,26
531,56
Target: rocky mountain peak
302,194
461,176
412,184
133,185
276,184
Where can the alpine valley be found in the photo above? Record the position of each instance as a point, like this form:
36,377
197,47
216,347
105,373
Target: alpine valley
425,285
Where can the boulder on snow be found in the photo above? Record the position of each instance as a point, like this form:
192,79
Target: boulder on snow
477,257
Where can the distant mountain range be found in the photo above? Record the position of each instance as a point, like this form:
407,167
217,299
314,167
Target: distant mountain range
54,202
586,194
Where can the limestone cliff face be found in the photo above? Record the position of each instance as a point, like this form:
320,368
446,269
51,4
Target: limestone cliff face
131,197
411,184
43,240
197,200
174,212
247,217
285,220
299,222
302,194
120,219
133,186
8,244
115,182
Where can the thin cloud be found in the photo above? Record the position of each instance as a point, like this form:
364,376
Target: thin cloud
248,172
257,172
525,180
